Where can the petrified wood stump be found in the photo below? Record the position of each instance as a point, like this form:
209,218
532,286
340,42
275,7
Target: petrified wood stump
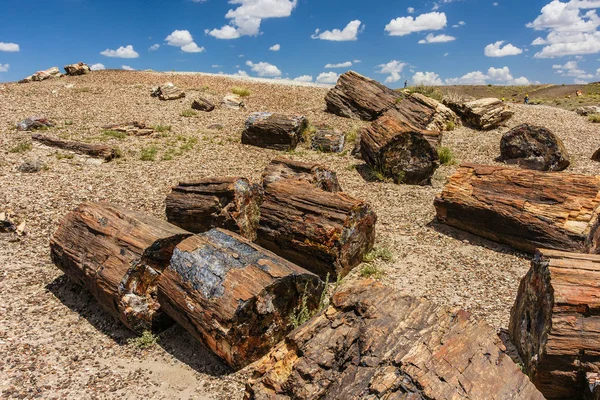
326,233
230,202
118,255
274,131
555,322
373,343
328,141
234,296
93,150
318,175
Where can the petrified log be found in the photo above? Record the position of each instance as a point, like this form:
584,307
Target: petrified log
482,114
234,296
203,104
373,343
233,101
39,76
399,151
328,141
93,150
231,203
523,208
274,131
131,128
317,175
355,96
424,113
555,322
118,255
326,233
168,91
434,137
588,110
77,69
533,147
593,386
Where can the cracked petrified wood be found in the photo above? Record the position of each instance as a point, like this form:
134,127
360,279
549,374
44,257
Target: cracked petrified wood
373,343
555,322
202,104
118,255
328,141
434,137
274,131
77,69
93,150
234,296
398,151
318,175
357,97
425,113
326,233
226,202
482,114
523,208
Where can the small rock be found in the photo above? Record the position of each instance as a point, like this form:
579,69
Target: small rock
33,123
31,166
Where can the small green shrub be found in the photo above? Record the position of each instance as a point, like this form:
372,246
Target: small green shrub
21,148
308,133
450,126
145,341
161,128
378,253
352,167
352,135
446,156
595,118
189,144
188,113
64,156
240,91
68,122
148,153
371,271
429,91
114,134
301,314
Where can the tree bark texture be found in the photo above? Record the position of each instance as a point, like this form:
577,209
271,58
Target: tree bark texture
318,175
92,150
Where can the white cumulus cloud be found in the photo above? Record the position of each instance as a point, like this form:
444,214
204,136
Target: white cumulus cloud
349,33
127,68
10,47
393,68
497,50
304,78
154,47
497,75
121,52
427,79
327,77
264,68
346,64
425,22
275,47
410,10
4,67
184,40
192,48
97,67
431,38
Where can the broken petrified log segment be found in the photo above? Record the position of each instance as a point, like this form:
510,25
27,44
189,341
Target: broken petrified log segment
355,96
434,137
274,131
533,147
93,150
399,151
555,322
593,386
118,255
131,128
77,69
523,208
424,113
231,203
168,91
328,141
484,114
326,233
318,175
234,296
203,104
373,343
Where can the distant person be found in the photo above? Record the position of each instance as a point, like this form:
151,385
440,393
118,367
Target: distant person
526,99
405,84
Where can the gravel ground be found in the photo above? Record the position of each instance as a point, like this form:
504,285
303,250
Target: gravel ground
56,342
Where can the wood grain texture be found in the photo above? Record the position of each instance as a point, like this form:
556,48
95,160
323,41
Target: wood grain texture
318,175
234,296
424,113
555,322
373,343
274,131
484,114
522,208
93,150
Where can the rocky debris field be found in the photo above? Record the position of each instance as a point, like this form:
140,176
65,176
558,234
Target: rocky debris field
57,342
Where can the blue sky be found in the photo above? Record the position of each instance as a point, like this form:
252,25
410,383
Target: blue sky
430,42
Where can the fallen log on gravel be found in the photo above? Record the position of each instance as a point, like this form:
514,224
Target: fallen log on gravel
274,131
93,150
131,128
482,114
231,203
373,343
77,69
425,113
328,141
234,296
168,91
118,255
326,233
555,322
434,137
355,96
202,104
523,208
318,175
398,151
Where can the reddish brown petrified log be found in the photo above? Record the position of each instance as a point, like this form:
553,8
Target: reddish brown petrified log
326,233
234,296
274,131
434,137
555,322
92,150
523,208
231,203
118,255
317,175
373,343
425,113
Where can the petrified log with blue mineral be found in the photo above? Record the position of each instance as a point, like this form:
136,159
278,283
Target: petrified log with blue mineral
234,296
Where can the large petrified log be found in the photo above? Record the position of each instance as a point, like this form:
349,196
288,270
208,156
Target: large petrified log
555,322
326,233
534,147
425,113
523,208
317,175
118,255
482,114
92,150
230,202
274,131
398,150
373,343
355,96
234,296
434,137
77,69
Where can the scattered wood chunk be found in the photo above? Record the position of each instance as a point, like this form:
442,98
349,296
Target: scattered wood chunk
326,233
168,91
233,296
39,76
373,343
593,383
233,101
484,114
357,97
328,141
523,208
424,113
203,104
555,322
77,69
398,151
231,203
588,110
318,175
274,131
118,255
133,128
93,150
33,123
